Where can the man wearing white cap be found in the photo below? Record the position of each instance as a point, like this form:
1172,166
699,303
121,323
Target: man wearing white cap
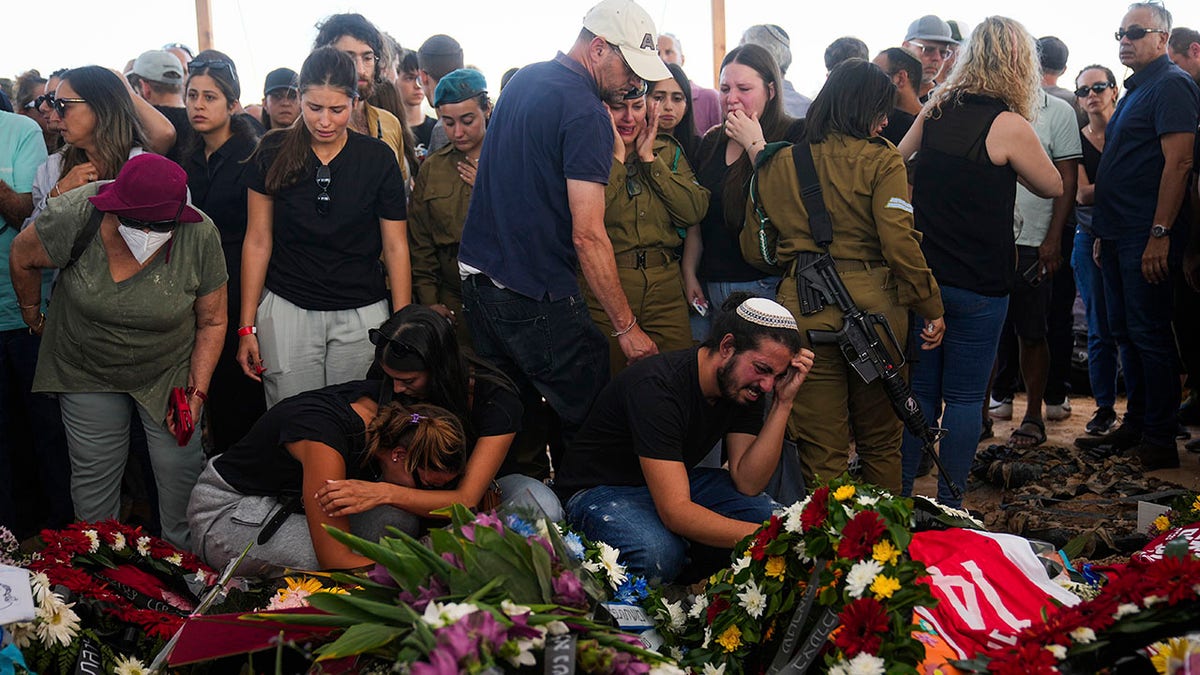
631,477
537,216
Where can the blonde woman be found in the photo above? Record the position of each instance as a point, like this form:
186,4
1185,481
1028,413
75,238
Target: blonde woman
973,142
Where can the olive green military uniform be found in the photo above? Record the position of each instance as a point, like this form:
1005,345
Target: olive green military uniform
436,214
878,256
648,206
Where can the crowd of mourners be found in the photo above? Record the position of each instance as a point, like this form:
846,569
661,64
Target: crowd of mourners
588,292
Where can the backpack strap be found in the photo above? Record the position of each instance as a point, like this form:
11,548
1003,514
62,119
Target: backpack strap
86,235
820,225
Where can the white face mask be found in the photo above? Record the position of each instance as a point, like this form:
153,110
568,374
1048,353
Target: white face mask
142,244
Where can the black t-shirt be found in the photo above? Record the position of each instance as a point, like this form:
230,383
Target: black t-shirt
424,130
184,134
899,122
259,464
652,409
332,262
1091,157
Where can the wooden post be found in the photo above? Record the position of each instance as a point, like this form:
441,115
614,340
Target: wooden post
718,38
204,33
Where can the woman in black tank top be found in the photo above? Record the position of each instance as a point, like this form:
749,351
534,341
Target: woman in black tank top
972,142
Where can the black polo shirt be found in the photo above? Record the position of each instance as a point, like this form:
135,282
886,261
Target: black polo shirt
331,262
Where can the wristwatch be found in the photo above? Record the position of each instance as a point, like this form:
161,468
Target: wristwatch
1160,231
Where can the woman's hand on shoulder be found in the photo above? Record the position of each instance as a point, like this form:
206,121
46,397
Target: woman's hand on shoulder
340,498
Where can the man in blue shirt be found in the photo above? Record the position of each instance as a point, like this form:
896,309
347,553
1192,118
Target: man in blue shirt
1139,189
22,151
536,217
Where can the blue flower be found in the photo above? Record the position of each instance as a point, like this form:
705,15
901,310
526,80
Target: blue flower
521,527
632,590
574,545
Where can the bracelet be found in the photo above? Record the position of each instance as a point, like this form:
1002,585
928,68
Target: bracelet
192,391
33,306
247,330
619,333
761,140
40,324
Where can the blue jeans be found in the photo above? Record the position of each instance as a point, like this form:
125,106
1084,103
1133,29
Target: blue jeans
950,383
625,517
45,442
718,291
1139,315
1102,348
547,347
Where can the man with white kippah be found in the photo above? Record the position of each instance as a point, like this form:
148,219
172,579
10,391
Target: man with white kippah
631,479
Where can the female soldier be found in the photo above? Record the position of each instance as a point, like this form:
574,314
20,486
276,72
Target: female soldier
878,257
442,192
651,200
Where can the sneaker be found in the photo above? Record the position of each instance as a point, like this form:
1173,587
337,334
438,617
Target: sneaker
1000,410
1154,457
1059,412
1189,411
1119,440
1102,422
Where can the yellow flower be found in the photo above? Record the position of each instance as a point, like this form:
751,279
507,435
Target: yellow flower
776,566
843,493
731,639
885,553
884,586
1162,523
1196,504
1171,652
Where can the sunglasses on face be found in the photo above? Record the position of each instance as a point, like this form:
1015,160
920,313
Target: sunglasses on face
44,99
930,50
1097,88
60,104
324,178
197,64
152,225
1136,33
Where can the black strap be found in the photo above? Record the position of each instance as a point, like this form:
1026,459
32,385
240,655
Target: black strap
820,225
86,235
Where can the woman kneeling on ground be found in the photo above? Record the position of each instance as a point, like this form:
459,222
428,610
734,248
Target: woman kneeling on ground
263,489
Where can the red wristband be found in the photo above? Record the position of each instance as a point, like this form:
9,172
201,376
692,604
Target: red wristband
247,330
192,391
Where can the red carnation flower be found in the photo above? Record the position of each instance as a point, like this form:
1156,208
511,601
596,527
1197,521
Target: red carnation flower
860,535
718,605
864,622
764,537
817,510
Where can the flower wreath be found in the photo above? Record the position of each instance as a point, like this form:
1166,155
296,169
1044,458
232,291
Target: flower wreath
1185,510
71,551
825,577
1147,601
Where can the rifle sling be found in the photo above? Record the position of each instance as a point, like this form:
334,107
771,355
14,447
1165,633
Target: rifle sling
820,225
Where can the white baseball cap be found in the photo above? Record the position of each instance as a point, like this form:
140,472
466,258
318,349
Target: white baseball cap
625,24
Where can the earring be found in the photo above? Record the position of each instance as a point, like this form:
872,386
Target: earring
395,457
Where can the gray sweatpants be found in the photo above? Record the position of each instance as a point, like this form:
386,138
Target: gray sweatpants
305,349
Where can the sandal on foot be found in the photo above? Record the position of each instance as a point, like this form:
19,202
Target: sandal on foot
1022,438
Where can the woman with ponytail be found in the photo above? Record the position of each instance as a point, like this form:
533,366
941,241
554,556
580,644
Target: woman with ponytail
324,204
263,489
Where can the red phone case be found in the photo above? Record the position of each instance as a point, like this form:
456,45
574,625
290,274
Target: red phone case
181,412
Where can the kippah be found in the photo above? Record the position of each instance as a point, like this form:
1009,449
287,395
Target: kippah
767,313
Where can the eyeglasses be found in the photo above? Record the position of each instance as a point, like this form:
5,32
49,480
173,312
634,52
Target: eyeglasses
216,64
930,50
152,225
46,99
1097,88
323,181
180,45
60,104
1136,33
633,93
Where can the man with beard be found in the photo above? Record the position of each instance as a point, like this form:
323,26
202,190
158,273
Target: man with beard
358,37
631,473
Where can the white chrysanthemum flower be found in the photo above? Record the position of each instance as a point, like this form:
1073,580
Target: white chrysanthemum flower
93,540
667,669
753,600
1083,635
1152,600
557,628
22,634
849,512
740,564
675,653
60,625
40,584
438,614
791,516
143,545
615,570
866,664
674,615
1059,651
707,638
513,609
119,542
1125,609
175,559
867,500
129,665
592,566
710,669
861,576
801,551
697,607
